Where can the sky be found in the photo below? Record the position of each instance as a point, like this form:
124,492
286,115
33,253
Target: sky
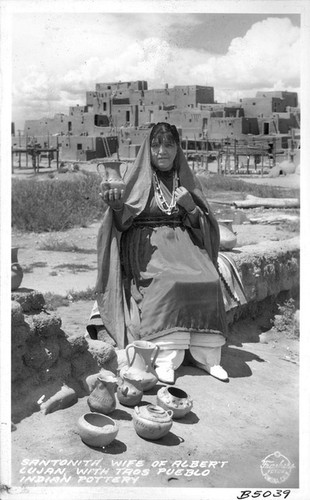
58,56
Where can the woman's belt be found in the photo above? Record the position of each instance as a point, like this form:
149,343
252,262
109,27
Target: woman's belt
157,222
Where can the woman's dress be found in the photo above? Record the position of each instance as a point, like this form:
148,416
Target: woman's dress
170,282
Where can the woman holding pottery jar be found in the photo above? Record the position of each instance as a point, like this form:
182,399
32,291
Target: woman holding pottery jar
157,258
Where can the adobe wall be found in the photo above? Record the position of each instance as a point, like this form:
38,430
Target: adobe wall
268,270
46,360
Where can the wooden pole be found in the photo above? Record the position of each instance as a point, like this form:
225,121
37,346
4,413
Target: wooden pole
57,153
235,155
19,155
26,150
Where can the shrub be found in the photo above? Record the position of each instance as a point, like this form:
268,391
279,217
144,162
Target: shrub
55,205
286,321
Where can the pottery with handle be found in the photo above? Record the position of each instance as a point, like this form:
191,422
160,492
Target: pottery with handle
102,398
176,400
110,174
152,422
129,390
141,357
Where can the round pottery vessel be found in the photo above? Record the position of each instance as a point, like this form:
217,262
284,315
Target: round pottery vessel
102,398
96,429
151,421
228,238
176,400
16,270
129,390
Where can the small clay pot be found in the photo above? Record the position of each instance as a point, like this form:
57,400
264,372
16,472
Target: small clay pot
176,400
16,270
228,237
129,390
151,421
102,398
96,429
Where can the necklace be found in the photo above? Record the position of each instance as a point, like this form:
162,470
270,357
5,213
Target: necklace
161,201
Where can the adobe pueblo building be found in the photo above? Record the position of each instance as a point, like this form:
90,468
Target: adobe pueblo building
116,117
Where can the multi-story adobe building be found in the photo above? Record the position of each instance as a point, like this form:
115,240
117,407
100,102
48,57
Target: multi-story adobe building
116,117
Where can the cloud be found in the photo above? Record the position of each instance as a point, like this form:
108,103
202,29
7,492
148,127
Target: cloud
266,58
268,53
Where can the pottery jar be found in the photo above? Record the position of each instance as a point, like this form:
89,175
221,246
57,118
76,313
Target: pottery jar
141,356
102,398
129,390
96,429
16,270
176,400
151,421
228,238
111,176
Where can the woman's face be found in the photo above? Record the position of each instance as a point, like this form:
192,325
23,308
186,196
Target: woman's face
163,152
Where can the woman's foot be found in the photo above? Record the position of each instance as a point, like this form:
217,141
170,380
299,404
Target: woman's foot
165,374
216,371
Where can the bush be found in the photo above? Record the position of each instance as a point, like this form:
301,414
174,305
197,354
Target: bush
55,205
286,321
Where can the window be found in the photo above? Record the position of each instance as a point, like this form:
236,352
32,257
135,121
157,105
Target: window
79,146
101,121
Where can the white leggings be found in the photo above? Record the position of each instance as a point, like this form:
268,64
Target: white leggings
204,347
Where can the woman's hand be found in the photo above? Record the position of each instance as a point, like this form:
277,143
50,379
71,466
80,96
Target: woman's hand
184,199
113,197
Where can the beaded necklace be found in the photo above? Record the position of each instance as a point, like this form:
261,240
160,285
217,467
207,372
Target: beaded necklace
159,196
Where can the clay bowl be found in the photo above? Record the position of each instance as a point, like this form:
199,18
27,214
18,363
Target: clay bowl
176,400
96,429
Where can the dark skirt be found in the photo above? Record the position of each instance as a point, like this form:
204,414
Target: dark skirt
170,283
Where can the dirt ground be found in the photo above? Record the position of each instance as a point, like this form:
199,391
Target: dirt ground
221,443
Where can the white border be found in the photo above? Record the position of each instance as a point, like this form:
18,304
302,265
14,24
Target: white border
7,9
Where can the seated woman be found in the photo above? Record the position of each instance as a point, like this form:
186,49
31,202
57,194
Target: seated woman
157,261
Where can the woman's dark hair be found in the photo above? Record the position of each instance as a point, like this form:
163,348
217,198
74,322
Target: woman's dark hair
165,129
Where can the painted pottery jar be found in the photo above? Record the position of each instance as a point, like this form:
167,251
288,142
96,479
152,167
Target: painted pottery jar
102,399
152,421
176,400
111,176
129,390
96,429
16,270
228,238
141,356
